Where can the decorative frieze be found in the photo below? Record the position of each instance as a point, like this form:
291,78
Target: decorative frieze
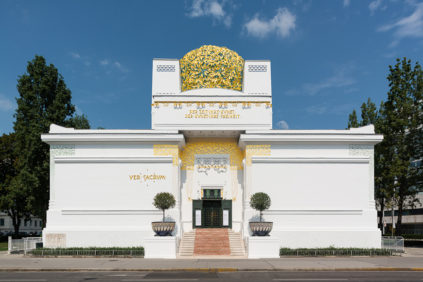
204,146
256,150
62,150
207,163
167,150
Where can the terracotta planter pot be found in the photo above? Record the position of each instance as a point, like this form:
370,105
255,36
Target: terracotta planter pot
163,228
261,228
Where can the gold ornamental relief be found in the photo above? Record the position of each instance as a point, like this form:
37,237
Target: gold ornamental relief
167,150
203,146
256,150
212,67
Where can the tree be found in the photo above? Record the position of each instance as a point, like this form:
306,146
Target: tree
352,120
401,124
164,201
12,195
260,201
79,122
369,113
43,99
398,175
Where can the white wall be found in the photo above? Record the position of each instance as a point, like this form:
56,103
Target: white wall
102,194
321,194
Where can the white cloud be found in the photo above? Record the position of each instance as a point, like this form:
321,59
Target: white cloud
75,55
324,108
282,24
410,26
340,79
213,9
317,109
374,6
104,62
6,104
347,3
282,124
120,67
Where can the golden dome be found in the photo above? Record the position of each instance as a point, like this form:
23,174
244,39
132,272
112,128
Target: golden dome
212,67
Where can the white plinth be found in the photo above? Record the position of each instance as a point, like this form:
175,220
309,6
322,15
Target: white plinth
263,247
160,247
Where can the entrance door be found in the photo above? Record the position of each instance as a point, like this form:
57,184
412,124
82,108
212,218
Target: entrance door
212,213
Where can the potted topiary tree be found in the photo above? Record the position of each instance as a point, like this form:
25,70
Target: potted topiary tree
163,201
260,201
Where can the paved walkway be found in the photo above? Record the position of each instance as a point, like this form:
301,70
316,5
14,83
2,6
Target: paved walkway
21,263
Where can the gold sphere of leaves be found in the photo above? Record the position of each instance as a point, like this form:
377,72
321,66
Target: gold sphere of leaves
212,67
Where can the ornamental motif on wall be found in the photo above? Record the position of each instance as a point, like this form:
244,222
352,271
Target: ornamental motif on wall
167,150
212,67
256,150
202,146
207,163
361,150
62,150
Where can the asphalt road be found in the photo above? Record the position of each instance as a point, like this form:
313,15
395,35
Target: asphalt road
211,276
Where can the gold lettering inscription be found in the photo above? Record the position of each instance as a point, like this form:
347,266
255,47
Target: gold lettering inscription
212,114
147,177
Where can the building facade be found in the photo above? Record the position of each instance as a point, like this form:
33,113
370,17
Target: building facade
212,146
33,226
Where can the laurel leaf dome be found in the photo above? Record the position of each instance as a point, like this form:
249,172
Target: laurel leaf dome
212,67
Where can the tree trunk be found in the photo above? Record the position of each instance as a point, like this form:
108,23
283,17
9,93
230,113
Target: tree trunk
16,221
163,215
399,216
382,210
260,215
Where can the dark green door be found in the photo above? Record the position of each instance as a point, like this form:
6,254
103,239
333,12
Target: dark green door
212,213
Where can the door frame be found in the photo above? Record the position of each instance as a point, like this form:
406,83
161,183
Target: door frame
198,209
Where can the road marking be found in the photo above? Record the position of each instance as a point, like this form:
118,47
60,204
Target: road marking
23,280
310,279
161,279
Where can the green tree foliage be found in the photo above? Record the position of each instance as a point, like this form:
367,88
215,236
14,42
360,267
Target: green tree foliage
399,119
400,125
43,99
164,201
260,201
79,122
352,120
12,195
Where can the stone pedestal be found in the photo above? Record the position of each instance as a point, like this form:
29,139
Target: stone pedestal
263,247
160,247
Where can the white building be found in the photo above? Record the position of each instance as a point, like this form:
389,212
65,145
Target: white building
211,133
31,226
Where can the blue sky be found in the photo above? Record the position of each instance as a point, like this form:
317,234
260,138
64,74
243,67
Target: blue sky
327,56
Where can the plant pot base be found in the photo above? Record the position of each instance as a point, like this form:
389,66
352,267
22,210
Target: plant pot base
261,228
163,228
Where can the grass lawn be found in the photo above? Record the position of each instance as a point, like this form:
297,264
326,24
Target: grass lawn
3,246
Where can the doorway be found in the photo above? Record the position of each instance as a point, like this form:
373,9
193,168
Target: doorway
212,214
212,211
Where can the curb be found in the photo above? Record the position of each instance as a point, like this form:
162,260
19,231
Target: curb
229,269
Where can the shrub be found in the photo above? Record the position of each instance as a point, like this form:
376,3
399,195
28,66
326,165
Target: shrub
164,201
260,201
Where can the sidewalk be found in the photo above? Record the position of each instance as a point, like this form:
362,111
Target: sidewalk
21,263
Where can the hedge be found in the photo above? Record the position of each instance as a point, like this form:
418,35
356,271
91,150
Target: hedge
104,252
335,252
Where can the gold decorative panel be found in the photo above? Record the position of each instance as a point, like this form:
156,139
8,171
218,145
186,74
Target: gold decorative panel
209,146
256,150
211,67
167,150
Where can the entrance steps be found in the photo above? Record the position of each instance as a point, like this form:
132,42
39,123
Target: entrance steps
236,243
186,247
212,242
